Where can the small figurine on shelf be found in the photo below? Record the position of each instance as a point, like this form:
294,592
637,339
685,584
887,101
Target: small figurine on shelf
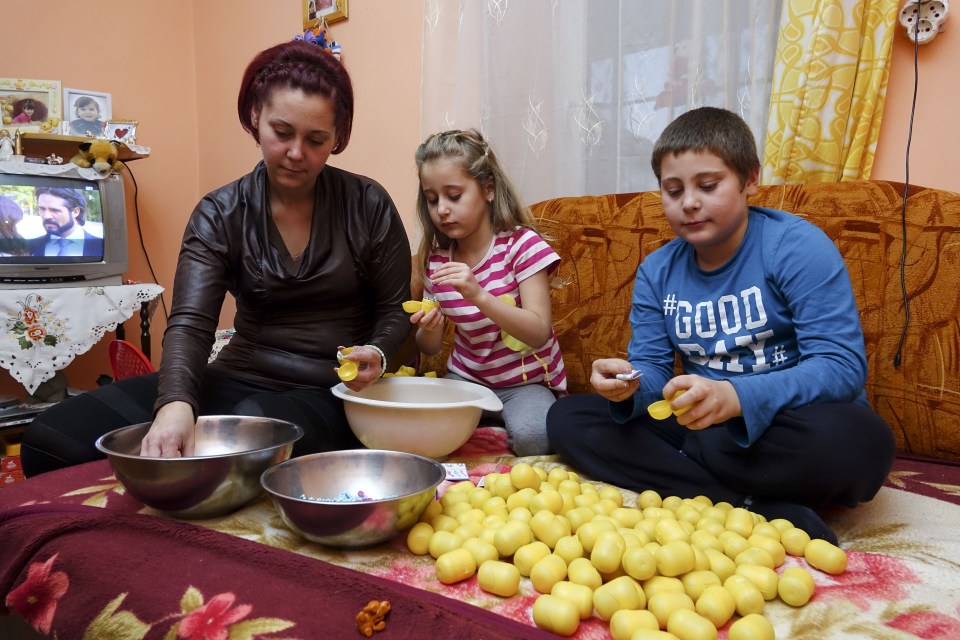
318,36
54,159
6,145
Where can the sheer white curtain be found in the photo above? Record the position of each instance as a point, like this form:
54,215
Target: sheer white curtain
572,94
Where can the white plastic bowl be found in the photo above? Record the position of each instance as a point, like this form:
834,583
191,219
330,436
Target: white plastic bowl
430,417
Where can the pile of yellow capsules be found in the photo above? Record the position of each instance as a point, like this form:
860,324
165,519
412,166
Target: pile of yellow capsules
667,568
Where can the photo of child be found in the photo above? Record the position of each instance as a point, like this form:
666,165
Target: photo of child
28,110
87,120
85,113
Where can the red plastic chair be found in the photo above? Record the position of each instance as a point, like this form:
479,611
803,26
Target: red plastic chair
128,361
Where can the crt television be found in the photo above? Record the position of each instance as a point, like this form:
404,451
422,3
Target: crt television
33,199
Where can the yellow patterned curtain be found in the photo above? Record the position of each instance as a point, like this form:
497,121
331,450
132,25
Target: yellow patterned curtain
830,80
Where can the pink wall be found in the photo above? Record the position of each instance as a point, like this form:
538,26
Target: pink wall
936,125
175,66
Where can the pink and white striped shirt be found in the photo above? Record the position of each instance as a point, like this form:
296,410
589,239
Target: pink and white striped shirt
479,353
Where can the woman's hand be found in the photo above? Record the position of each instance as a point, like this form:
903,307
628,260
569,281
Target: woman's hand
709,401
370,366
605,382
172,433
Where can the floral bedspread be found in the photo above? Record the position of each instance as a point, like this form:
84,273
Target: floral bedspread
902,580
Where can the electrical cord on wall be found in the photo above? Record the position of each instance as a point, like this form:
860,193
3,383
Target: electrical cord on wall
136,209
898,358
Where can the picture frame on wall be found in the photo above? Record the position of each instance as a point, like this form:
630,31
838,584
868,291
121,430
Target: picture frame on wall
85,113
329,10
30,105
122,131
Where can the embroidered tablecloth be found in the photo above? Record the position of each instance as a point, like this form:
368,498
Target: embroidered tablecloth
45,329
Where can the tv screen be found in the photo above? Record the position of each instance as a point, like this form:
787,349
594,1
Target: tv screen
60,226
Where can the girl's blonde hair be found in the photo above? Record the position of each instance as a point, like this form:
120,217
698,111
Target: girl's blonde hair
507,211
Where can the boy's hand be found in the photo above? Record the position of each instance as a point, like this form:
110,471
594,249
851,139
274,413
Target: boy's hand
710,402
604,379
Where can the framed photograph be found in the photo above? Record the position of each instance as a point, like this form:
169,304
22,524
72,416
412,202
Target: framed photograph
85,113
30,105
329,10
122,131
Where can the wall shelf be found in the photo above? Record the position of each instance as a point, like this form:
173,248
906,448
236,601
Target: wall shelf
41,145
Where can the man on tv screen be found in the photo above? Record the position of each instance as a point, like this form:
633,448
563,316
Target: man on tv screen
63,212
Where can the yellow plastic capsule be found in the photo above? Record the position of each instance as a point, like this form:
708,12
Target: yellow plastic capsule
745,594
639,563
652,634
528,555
794,541
675,558
411,306
796,586
569,548
348,370
684,623
511,536
455,566
764,578
716,604
625,622
443,541
619,593
428,304
752,627
481,550
772,545
663,605
524,475
583,572
547,572
696,582
556,615
607,552
499,578
418,539
661,409
825,556
579,594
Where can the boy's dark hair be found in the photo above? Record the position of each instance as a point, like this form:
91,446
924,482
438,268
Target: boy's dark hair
718,131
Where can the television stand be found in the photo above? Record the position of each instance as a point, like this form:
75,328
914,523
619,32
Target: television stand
49,328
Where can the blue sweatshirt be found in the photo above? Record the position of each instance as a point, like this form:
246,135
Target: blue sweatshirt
779,321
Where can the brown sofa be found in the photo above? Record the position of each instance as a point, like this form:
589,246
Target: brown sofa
601,240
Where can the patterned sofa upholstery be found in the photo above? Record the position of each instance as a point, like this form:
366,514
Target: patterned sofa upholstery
601,240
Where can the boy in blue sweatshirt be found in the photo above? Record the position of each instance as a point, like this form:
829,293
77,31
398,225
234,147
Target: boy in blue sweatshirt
770,411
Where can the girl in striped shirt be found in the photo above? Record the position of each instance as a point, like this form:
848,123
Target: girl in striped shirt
489,269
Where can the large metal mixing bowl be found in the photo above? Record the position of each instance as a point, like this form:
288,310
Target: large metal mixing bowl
222,475
396,489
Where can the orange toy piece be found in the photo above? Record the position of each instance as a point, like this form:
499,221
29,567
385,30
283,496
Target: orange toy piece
371,617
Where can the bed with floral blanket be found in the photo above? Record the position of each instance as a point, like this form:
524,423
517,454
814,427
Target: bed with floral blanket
81,559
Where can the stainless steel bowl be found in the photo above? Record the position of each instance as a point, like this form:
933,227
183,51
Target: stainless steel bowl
397,487
223,474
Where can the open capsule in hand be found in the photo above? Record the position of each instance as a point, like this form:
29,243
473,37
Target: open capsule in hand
661,409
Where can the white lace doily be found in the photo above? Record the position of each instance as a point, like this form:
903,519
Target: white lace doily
45,329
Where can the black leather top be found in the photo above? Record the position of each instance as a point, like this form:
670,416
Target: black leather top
346,289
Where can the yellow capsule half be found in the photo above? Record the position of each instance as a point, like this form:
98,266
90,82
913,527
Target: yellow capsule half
348,370
661,409
411,306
